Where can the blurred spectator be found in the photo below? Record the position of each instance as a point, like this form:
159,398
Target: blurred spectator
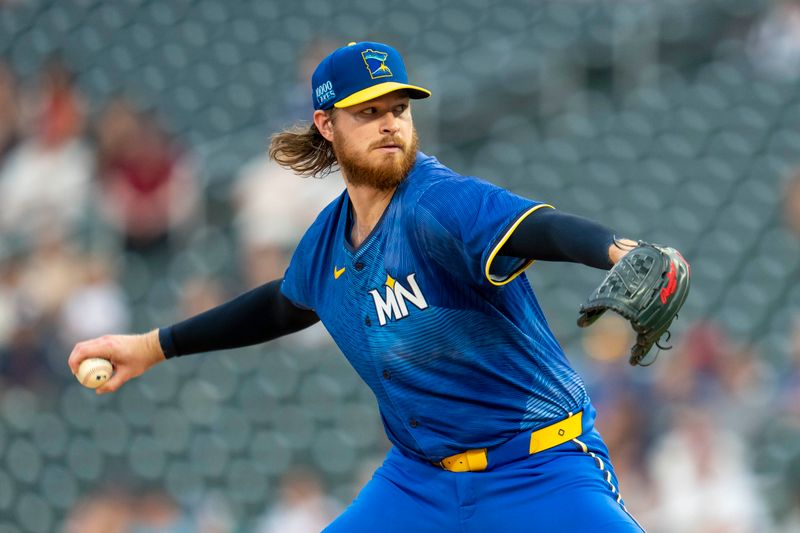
45,181
23,357
791,205
302,508
51,271
624,415
97,306
107,511
9,111
115,510
274,207
621,402
157,512
148,186
626,422
707,368
609,340
702,479
789,389
604,360
10,298
774,43
22,351
693,371
33,289
200,293
748,384
57,110
213,515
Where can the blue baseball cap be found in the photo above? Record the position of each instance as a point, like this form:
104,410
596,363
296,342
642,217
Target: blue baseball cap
359,72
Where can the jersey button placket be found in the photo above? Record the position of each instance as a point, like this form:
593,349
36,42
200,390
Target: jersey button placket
359,266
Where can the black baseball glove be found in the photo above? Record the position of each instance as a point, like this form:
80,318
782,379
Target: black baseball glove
648,287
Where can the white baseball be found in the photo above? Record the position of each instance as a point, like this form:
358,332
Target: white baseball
94,371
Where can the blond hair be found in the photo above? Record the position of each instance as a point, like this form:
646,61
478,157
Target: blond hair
303,149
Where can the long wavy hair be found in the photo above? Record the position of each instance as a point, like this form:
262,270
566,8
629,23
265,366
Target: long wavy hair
303,149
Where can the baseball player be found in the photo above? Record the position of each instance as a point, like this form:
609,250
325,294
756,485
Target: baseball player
415,272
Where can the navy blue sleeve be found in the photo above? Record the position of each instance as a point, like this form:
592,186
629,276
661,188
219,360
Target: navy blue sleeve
472,219
555,236
256,316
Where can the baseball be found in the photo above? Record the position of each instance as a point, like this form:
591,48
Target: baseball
93,372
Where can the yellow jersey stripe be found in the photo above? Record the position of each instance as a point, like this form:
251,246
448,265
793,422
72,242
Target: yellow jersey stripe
519,270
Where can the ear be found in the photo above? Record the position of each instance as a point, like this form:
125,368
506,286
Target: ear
323,120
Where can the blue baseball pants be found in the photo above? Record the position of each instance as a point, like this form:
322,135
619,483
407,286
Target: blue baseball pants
569,488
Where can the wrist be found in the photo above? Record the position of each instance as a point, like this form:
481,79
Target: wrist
619,248
153,347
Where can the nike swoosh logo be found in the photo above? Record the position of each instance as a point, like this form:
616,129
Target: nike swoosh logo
337,273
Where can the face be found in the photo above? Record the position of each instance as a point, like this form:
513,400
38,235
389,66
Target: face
375,142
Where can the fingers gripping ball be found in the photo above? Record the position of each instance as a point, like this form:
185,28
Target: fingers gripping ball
648,287
94,372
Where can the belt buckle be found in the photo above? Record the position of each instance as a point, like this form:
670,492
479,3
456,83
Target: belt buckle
468,461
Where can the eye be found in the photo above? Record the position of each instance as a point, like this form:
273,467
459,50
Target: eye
400,108
369,111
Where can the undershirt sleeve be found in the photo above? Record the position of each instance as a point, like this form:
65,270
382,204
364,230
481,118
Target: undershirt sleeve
256,316
551,235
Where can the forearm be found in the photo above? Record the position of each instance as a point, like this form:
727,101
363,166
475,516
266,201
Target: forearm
550,235
257,316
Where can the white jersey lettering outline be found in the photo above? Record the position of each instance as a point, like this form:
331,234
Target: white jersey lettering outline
393,306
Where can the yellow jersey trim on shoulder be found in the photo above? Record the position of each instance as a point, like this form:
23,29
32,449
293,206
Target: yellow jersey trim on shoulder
498,281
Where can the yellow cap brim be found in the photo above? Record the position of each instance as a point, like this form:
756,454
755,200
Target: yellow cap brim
379,90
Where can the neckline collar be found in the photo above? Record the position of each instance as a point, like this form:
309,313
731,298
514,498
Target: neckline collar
348,209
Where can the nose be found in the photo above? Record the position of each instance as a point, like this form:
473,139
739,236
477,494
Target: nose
389,124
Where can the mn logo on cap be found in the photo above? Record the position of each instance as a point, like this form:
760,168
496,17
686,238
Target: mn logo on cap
374,61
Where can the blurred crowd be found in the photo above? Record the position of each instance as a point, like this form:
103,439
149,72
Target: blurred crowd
301,507
98,207
685,434
102,207
90,197
76,193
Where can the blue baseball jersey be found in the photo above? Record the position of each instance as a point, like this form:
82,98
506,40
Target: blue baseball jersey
445,332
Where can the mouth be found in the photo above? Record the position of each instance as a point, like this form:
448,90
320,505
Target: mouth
389,148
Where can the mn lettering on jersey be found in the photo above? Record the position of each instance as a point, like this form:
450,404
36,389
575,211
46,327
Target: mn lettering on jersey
393,305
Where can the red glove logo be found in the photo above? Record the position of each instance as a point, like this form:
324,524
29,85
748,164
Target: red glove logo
672,284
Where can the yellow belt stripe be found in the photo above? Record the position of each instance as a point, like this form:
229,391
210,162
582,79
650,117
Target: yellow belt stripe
541,439
555,434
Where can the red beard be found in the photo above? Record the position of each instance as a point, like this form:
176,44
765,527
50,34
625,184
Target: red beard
383,176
